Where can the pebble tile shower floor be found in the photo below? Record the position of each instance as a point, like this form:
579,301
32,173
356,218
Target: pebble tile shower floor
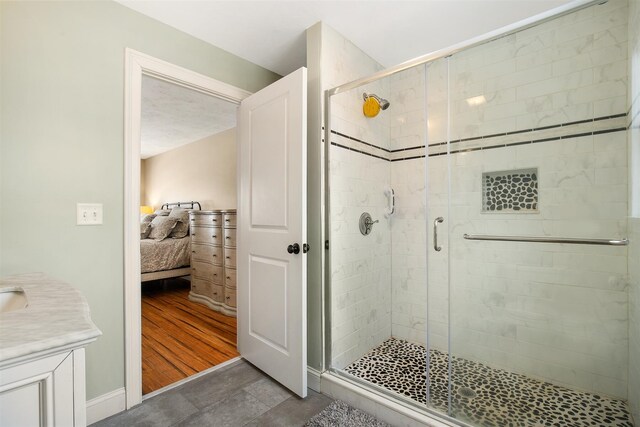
484,396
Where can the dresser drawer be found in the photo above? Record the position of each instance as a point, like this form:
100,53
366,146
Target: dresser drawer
211,235
201,252
217,275
230,257
229,220
230,297
230,278
217,293
230,237
202,270
212,254
200,286
213,219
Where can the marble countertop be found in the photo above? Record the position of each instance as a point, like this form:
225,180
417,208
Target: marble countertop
56,318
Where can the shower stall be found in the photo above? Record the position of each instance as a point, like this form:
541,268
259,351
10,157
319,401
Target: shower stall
478,260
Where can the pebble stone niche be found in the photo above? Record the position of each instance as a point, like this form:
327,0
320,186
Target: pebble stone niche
510,191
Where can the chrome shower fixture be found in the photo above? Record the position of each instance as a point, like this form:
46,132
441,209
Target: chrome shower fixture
373,104
383,103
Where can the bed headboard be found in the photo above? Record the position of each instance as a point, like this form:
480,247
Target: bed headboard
185,205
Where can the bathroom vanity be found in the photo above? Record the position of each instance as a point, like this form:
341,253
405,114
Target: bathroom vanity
44,327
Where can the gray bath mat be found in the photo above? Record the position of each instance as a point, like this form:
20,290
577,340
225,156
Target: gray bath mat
340,414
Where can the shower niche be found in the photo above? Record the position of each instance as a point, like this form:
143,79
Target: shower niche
510,191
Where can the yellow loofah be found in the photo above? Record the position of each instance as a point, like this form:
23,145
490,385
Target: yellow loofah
371,107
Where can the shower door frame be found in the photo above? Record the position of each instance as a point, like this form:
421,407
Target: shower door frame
326,226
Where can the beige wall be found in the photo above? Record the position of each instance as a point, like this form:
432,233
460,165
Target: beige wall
61,142
204,171
143,186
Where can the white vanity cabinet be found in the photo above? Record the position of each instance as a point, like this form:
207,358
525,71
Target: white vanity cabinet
44,327
49,391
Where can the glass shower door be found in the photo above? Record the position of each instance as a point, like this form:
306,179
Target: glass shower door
437,243
538,331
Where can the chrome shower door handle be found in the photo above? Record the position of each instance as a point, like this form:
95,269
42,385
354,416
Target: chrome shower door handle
437,221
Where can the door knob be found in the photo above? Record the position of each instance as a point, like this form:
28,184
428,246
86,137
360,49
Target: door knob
305,248
293,249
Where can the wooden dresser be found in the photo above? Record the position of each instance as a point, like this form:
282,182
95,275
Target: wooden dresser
213,259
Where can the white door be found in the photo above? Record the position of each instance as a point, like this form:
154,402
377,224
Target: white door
272,220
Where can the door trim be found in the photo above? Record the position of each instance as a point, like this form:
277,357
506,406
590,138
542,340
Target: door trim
136,65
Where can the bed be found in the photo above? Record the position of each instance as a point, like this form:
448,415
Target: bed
169,257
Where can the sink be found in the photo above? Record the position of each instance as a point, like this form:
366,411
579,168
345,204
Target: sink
12,299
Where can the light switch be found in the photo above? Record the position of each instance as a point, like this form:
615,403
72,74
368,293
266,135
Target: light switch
89,214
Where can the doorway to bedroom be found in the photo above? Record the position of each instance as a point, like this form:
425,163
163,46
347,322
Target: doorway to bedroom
188,196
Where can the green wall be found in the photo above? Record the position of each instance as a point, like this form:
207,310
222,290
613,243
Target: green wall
62,98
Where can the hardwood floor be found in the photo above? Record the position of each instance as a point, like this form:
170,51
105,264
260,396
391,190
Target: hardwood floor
180,337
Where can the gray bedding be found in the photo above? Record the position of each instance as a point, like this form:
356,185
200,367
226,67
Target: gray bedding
165,255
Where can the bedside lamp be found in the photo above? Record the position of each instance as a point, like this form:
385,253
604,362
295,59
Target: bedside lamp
146,209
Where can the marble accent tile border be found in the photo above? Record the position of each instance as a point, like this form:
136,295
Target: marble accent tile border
575,129
358,146
359,140
359,151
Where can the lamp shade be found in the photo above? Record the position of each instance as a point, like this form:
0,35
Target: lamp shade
146,209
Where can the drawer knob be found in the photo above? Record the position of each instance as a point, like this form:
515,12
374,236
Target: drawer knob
226,220
228,297
214,236
228,237
228,277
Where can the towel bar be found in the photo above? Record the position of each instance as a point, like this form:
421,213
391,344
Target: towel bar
570,240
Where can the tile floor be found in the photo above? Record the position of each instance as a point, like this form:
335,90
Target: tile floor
236,395
485,396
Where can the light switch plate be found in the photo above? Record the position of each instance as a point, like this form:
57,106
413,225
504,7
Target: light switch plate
89,214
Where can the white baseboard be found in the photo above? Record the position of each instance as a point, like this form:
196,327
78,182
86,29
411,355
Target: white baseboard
106,405
313,379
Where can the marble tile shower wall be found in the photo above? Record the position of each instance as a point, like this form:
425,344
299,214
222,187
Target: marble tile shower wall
568,69
556,312
360,265
634,219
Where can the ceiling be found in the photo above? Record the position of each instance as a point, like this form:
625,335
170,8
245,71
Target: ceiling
272,33
173,116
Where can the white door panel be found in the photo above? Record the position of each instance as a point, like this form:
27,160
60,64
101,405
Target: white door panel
269,172
269,284
272,204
